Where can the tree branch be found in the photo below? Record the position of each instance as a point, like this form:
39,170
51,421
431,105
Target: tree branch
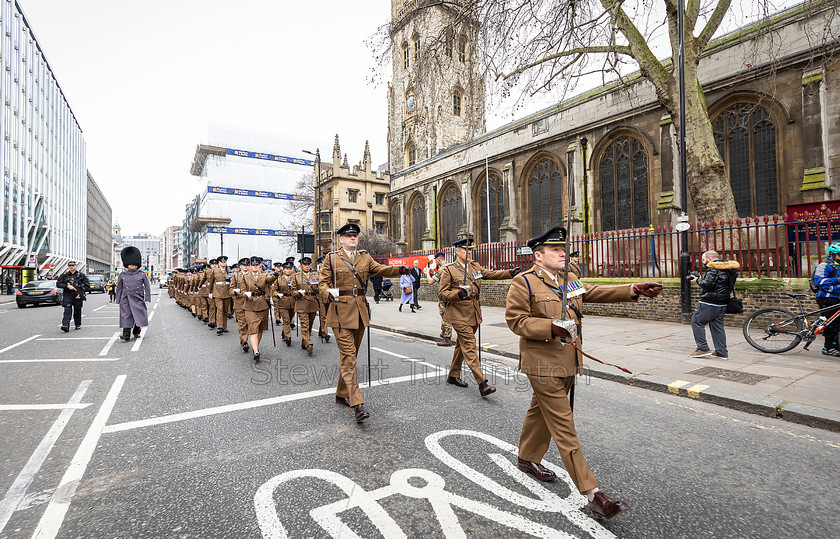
605,49
712,25
692,11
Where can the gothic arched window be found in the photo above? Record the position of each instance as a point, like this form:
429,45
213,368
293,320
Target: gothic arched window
410,104
406,61
497,208
418,223
452,215
624,185
410,154
456,102
462,49
395,222
545,200
746,139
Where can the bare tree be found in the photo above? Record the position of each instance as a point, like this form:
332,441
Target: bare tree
376,243
300,210
528,47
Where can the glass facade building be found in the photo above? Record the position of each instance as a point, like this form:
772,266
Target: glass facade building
42,148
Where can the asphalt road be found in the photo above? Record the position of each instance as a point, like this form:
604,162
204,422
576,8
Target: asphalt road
181,435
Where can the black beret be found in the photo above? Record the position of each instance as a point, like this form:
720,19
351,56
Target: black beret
464,243
278,264
349,228
554,236
234,266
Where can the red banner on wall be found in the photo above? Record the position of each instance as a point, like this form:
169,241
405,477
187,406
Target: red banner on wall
423,261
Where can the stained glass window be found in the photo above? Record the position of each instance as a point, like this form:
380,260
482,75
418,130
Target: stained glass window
497,208
624,185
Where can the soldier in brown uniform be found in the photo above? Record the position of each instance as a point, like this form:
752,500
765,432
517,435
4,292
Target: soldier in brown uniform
221,295
323,328
550,359
256,290
205,291
283,290
445,327
193,291
306,301
275,299
342,285
460,287
237,284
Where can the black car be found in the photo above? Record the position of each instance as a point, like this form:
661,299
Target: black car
97,283
35,292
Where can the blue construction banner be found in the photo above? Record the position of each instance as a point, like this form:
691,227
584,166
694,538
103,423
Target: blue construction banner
258,194
270,157
251,231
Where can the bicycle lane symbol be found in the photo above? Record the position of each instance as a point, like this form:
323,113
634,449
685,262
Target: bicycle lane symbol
441,501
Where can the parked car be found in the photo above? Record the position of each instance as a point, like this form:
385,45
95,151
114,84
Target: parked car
36,292
97,283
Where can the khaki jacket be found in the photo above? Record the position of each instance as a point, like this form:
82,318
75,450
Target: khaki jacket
452,276
285,286
219,283
530,307
347,311
237,282
261,282
204,278
308,303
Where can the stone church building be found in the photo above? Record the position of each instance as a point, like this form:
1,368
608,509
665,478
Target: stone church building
773,94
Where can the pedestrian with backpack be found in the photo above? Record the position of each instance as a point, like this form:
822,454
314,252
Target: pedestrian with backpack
827,281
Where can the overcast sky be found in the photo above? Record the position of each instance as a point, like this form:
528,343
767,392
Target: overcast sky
145,79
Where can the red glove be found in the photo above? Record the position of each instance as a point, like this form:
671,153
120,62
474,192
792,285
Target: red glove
463,294
404,270
648,289
515,271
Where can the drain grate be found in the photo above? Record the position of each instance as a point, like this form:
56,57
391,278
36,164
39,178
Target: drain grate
731,376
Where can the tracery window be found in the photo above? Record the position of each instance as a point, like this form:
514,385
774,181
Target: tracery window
545,200
395,221
624,185
452,215
418,222
497,208
462,49
746,139
410,154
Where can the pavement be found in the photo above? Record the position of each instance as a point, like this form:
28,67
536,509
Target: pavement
798,386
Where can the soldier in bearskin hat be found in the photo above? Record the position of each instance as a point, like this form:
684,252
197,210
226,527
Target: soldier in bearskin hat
133,292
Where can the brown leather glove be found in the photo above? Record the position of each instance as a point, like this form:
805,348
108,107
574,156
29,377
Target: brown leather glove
515,271
648,289
463,294
404,270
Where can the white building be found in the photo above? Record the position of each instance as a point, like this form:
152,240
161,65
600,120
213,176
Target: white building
44,205
243,208
149,247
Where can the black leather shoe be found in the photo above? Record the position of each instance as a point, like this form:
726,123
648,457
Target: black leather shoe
342,400
211,325
256,358
292,326
288,342
244,347
224,330
326,338
456,381
277,322
219,331
540,472
361,413
65,329
310,349
485,389
136,332
604,507
125,338
194,315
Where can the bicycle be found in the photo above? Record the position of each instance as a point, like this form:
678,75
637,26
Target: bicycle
774,330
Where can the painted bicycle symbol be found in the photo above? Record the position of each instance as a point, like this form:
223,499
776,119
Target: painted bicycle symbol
403,483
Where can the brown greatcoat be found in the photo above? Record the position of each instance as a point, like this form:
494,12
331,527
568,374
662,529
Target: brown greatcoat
309,283
531,304
346,311
465,311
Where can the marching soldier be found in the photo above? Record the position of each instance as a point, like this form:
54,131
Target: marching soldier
256,291
306,301
221,295
275,299
445,327
291,260
323,329
193,286
237,284
551,358
460,287
283,289
342,283
205,292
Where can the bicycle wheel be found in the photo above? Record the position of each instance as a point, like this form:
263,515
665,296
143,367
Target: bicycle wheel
773,330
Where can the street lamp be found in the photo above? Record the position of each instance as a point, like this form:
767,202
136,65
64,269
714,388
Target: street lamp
316,224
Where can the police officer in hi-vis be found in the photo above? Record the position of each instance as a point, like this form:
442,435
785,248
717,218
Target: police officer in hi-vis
550,358
342,282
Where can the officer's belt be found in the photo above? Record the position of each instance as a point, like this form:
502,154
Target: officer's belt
257,294
222,282
352,292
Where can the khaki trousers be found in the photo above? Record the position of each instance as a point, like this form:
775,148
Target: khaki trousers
242,325
305,320
223,309
550,416
211,310
322,319
348,379
276,302
287,316
445,327
465,349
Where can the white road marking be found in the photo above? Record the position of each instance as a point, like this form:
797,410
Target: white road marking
53,517
73,338
215,410
35,407
99,326
137,344
70,360
19,343
110,343
16,493
100,307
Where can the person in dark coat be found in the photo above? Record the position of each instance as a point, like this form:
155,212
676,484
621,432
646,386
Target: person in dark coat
75,285
133,292
376,281
416,274
715,289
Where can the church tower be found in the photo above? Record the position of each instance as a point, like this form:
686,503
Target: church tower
436,95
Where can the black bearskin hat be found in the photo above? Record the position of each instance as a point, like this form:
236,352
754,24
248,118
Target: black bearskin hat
131,256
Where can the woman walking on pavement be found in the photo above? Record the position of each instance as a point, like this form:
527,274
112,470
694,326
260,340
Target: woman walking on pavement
133,293
407,288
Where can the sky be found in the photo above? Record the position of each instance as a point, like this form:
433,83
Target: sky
146,80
